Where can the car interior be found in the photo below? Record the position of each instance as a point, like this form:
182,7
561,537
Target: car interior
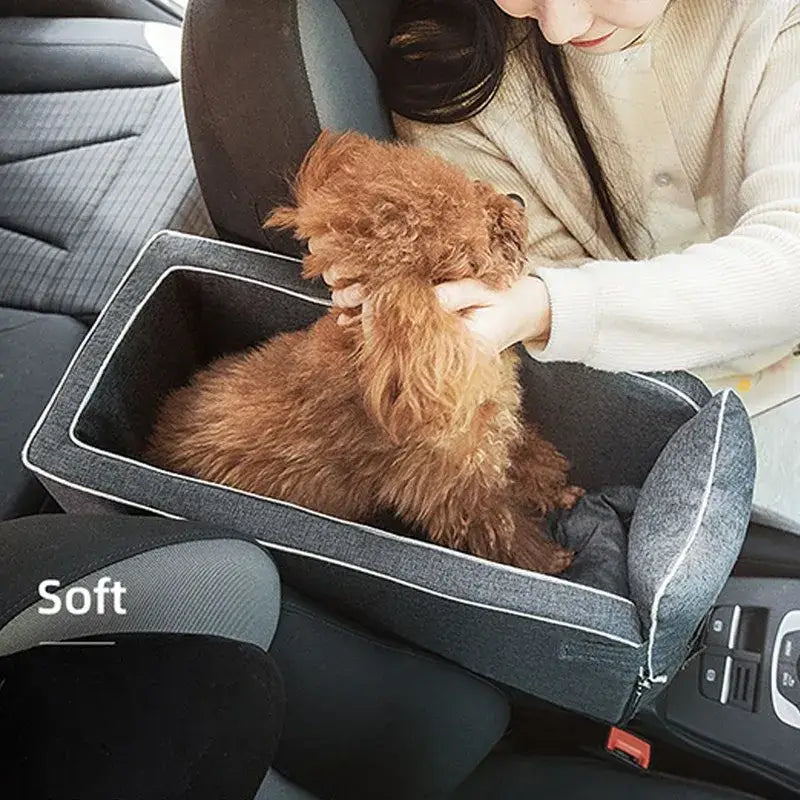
260,657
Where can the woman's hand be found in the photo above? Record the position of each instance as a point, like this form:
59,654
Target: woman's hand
499,319
349,297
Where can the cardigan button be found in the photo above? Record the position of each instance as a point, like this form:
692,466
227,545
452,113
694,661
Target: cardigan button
517,199
663,179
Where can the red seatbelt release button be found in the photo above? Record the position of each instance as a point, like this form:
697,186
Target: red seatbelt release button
628,747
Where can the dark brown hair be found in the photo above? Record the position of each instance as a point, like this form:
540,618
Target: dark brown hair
446,60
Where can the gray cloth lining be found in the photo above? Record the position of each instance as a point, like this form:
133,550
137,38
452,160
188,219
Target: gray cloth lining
219,587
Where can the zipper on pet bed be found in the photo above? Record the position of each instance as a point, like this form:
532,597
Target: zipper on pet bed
643,683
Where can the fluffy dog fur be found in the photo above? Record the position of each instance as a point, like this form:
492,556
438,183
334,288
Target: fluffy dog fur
415,417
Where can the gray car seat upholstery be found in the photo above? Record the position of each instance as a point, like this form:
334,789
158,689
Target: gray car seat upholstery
34,351
94,156
155,10
179,578
178,697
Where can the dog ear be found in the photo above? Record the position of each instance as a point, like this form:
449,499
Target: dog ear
508,229
421,371
330,153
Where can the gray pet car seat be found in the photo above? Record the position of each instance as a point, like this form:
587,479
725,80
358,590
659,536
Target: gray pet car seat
187,300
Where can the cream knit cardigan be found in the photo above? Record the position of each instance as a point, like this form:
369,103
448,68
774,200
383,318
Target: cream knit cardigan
698,128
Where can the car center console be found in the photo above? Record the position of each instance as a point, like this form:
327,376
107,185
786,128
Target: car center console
739,697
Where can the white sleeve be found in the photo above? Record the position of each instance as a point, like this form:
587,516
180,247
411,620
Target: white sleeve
714,302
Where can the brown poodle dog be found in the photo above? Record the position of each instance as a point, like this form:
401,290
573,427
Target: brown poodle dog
410,416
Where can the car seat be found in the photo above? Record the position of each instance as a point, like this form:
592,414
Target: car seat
94,158
188,699
299,66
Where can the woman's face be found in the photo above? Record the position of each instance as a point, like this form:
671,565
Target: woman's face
597,26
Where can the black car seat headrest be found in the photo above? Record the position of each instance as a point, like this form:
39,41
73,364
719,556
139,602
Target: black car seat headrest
261,79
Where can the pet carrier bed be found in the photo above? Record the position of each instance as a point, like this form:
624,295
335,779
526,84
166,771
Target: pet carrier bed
689,456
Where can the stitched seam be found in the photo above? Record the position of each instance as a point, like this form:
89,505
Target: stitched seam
6,225
69,149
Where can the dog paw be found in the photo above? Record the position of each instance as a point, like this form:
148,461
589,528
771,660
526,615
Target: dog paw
569,496
559,561
542,555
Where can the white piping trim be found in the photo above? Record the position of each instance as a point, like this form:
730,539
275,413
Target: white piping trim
179,234
318,557
97,493
671,389
681,557
474,603
87,397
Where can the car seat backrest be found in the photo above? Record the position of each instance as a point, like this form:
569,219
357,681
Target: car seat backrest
261,79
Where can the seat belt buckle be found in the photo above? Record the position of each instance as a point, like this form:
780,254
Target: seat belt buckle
628,748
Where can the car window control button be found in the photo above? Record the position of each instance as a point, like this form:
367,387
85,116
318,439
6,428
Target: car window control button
713,671
723,626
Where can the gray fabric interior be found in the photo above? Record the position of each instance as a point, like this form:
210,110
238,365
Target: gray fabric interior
597,530
193,312
227,588
202,316
51,55
86,175
611,426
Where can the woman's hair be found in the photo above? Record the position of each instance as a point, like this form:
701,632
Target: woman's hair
445,62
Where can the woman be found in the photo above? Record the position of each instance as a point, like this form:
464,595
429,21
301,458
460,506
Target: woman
656,148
